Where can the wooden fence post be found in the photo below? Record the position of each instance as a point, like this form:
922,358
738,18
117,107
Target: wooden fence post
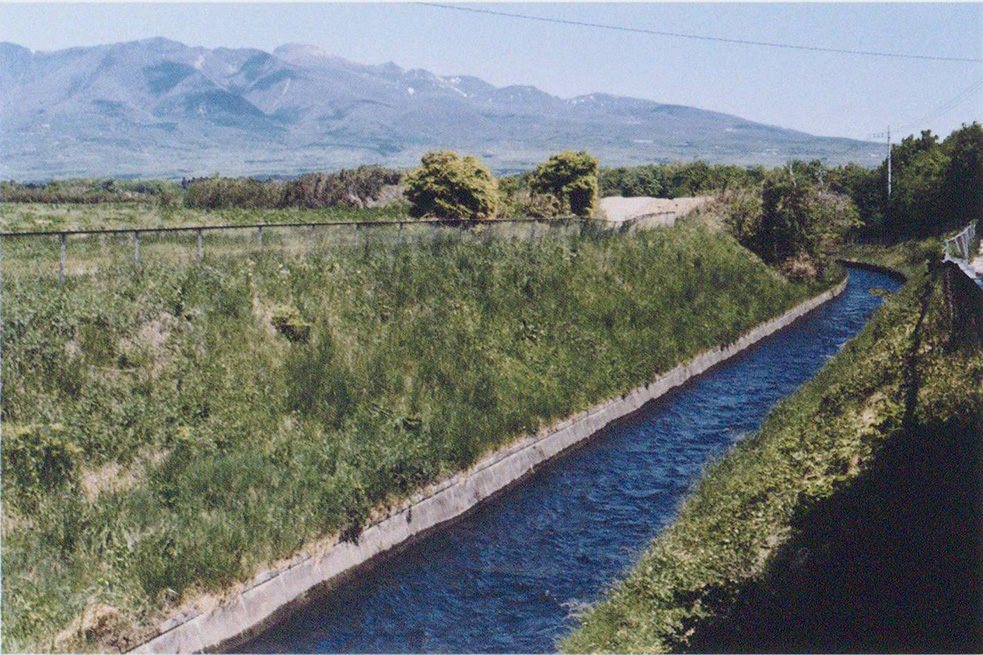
61,266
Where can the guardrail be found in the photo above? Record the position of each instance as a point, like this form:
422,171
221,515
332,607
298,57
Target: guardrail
963,245
963,285
45,245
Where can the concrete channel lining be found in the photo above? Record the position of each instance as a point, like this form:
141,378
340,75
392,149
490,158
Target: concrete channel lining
273,594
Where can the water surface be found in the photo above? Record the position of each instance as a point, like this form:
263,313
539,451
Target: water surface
505,578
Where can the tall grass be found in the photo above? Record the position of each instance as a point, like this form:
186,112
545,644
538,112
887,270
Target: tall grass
162,437
810,535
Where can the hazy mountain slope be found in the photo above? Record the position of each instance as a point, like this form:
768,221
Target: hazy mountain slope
160,108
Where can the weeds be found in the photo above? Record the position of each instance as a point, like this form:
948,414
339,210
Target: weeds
752,550
238,445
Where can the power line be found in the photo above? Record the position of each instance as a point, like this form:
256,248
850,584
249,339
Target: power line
700,37
947,106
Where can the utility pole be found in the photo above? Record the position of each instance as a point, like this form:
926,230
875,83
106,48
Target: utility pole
888,161
888,135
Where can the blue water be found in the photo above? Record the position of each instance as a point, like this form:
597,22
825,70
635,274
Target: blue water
505,578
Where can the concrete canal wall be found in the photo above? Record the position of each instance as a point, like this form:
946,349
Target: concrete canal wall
274,593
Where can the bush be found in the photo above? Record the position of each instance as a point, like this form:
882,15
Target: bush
228,192
345,188
447,186
39,458
571,178
288,322
794,225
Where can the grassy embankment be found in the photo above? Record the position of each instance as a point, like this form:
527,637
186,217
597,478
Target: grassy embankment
904,257
162,438
850,522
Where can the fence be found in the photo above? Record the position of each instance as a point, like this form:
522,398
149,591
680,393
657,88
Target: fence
86,251
963,245
963,285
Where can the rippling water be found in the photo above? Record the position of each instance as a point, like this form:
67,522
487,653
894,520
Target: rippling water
505,578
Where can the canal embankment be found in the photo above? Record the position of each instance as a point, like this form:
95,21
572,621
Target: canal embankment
173,433
850,522
275,593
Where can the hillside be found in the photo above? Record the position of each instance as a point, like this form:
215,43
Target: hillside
160,108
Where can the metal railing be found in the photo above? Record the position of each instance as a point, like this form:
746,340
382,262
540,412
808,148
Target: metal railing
963,246
30,250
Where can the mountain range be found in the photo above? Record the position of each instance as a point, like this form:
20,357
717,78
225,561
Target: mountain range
159,108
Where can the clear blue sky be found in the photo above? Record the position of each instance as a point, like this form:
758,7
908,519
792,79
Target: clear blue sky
821,93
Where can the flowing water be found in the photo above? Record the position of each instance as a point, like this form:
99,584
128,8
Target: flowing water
508,576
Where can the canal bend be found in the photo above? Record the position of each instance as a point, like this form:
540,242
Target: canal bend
509,576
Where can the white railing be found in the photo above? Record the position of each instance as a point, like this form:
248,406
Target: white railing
961,247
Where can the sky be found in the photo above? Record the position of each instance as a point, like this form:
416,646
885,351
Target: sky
821,93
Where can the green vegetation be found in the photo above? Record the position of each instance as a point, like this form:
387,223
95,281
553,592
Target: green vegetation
346,188
904,256
177,426
677,180
571,179
791,223
935,186
349,188
447,186
92,191
849,522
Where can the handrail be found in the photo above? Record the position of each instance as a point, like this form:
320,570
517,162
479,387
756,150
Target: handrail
958,247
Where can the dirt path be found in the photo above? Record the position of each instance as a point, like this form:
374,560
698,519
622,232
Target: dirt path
649,212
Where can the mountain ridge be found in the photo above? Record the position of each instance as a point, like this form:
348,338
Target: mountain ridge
159,108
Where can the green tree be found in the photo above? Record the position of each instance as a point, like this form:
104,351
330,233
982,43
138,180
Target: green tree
448,186
570,177
962,186
794,225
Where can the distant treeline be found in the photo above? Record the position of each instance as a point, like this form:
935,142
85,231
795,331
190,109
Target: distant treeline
93,191
347,188
937,186
678,179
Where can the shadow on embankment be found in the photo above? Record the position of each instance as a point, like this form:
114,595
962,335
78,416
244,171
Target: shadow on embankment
892,564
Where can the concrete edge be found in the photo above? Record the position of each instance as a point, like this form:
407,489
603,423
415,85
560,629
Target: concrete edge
274,594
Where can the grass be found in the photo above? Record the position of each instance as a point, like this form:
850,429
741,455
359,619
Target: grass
169,429
847,523
904,256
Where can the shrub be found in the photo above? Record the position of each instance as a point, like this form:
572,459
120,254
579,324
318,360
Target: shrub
345,188
447,186
571,177
39,457
228,192
288,322
794,225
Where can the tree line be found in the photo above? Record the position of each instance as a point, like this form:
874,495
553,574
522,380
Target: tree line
936,187
356,187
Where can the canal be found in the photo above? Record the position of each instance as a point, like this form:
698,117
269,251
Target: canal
509,576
